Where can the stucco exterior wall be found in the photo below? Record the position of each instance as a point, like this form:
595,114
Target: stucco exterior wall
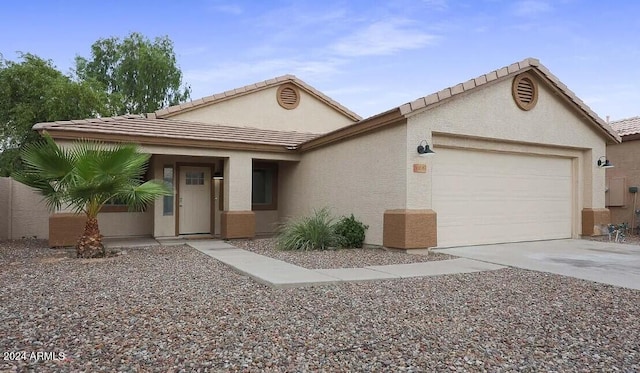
24,213
266,221
491,114
5,214
261,110
126,224
625,158
363,176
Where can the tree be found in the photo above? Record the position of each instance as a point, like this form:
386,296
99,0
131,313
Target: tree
86,176
33,91
139,76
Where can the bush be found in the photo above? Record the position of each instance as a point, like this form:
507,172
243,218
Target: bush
316,232
351,230
320,231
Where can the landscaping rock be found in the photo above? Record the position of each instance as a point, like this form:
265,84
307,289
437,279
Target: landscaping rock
161,309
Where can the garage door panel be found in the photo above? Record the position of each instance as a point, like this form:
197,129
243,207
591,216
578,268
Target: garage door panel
483,197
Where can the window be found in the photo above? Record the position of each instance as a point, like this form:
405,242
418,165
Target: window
167,201
194,178
115,205
118,204
264,188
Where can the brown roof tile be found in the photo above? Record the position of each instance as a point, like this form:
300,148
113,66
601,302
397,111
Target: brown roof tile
458,88
171,110
139,125
469,84
626,127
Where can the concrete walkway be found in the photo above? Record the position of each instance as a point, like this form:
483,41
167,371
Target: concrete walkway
280,274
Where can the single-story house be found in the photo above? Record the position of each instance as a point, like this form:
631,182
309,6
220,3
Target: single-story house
513,157
623,179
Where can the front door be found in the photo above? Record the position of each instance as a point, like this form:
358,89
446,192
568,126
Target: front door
195,200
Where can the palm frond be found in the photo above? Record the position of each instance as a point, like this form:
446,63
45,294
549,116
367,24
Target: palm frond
88,174
46,159
141,195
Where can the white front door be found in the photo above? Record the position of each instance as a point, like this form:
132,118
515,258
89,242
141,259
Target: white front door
195,200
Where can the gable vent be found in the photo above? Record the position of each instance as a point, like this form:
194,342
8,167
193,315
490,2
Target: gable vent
525,91
288,96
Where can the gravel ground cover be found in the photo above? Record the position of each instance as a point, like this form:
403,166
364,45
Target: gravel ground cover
162,309
342,258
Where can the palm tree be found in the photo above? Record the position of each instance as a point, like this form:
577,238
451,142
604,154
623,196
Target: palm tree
84,177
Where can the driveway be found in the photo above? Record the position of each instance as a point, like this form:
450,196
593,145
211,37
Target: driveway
604,262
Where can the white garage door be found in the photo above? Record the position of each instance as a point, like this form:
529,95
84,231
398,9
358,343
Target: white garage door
488,197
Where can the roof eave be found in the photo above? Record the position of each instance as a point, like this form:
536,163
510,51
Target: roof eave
168,141
252,88
390,117
630,137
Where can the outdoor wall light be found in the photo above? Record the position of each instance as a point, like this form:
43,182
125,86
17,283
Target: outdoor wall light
603,162
424,150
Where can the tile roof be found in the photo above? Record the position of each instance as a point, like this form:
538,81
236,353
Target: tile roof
626,127
513,69
172,110
158,126
153,128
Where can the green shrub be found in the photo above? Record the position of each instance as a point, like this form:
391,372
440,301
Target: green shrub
316,232
351,230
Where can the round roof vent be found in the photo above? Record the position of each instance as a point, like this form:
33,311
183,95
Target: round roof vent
288,96
525,91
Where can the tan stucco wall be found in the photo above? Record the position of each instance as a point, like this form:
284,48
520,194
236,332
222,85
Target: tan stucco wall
5,212
266,221
126,224
23,212
261,110
363,176
30,214
625,158
489,118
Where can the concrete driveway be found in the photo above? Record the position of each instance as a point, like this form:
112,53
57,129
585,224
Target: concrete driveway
604,262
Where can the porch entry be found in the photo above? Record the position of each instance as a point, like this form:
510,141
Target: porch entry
194,201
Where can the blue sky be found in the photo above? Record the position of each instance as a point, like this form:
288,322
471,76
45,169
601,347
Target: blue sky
369,55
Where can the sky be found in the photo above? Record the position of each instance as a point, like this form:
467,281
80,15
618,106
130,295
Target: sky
370,56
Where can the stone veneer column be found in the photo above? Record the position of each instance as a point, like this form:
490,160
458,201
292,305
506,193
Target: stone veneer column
410,229
594,220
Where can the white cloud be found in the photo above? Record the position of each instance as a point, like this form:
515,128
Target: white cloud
437,4
294,19
383,38
531,8
265,69
228,8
